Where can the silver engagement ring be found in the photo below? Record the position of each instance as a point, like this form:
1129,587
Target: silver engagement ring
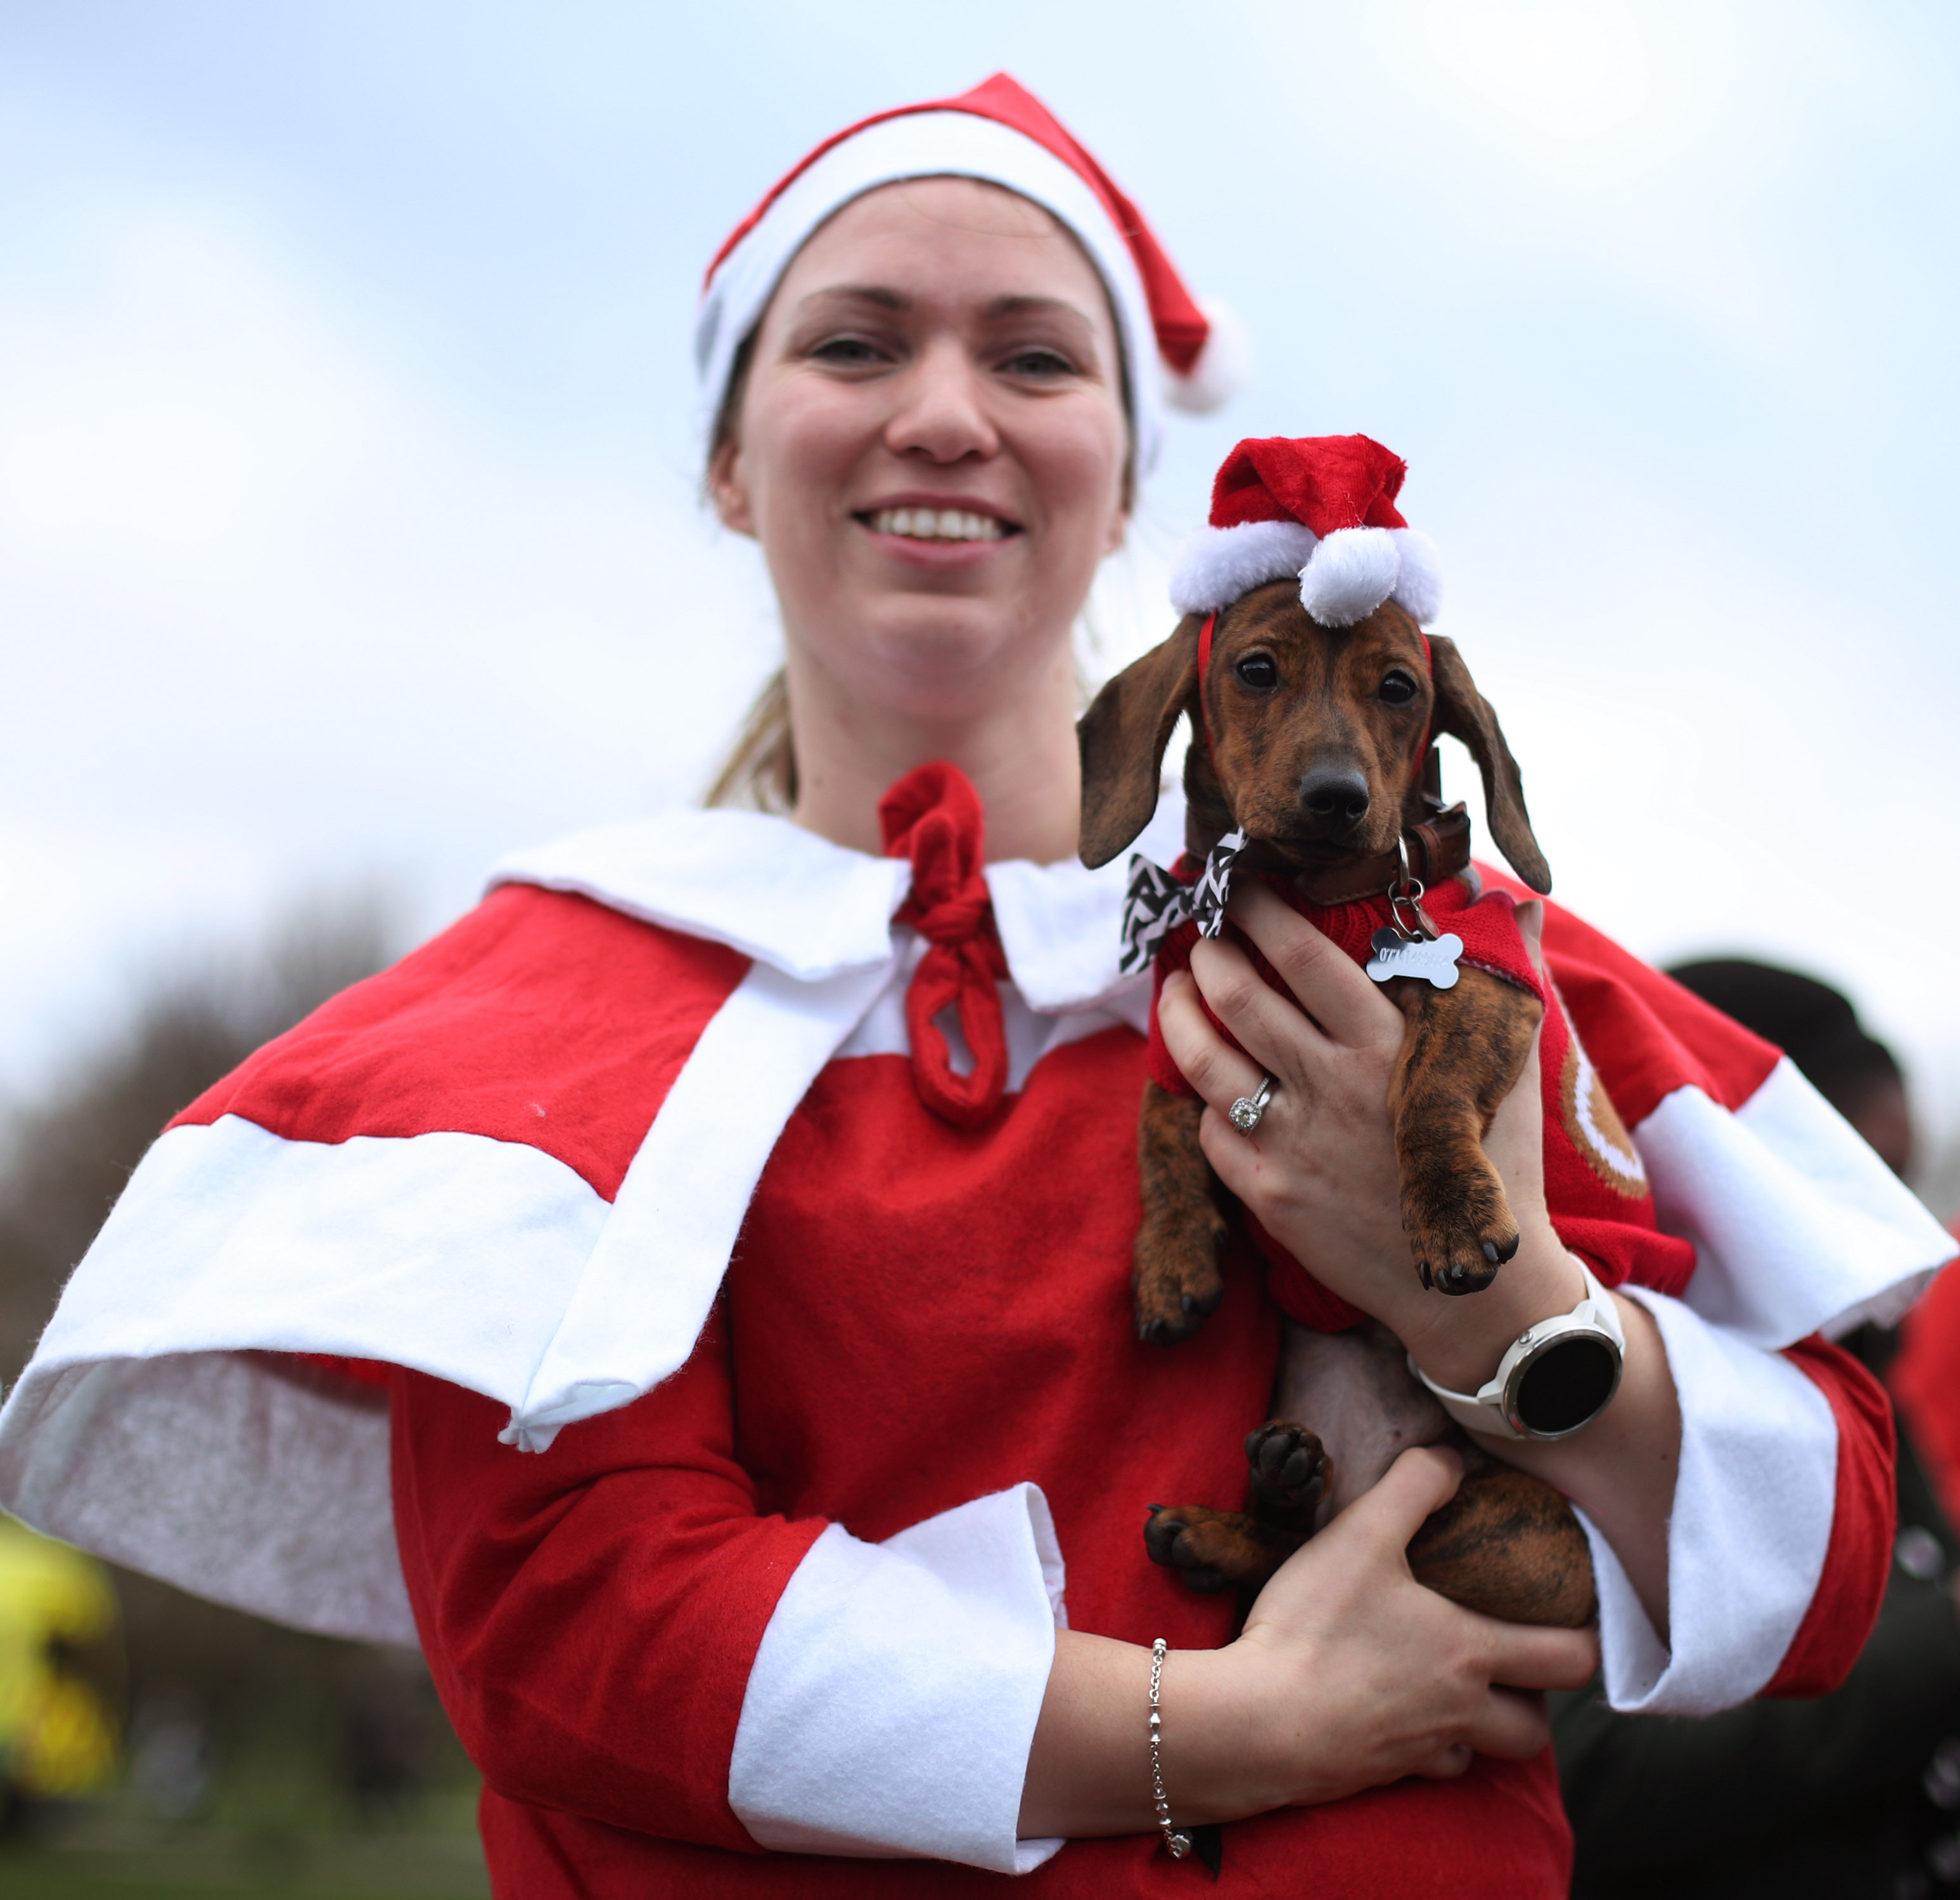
1246,1111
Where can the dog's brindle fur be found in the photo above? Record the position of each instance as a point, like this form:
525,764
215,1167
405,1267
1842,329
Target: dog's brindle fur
1287,709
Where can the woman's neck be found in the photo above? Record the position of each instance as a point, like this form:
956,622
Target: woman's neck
1021,753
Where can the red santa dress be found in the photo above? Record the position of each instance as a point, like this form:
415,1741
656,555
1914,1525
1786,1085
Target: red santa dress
593,1299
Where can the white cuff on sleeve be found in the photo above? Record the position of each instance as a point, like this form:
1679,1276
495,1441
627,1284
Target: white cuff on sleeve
1753,1507
894,1696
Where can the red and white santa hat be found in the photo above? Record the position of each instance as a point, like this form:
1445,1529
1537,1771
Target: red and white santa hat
1194,358
1321,507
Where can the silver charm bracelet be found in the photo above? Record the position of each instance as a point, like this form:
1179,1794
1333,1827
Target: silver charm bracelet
1176,1842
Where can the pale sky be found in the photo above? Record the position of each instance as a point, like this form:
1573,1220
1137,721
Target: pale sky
348,532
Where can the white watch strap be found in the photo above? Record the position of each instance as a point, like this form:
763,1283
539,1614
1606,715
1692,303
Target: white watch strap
1483,1411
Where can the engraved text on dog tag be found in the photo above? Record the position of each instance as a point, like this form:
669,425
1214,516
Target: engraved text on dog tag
1396,955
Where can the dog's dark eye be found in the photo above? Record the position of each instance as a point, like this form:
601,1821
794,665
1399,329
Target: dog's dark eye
1398,689
1257,671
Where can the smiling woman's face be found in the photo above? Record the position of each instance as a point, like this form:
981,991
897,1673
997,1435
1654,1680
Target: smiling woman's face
931,448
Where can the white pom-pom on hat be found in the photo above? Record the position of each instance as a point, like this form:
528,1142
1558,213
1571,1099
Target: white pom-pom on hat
1223,367
1352,572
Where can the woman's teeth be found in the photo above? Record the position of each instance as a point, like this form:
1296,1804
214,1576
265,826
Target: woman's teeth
936,524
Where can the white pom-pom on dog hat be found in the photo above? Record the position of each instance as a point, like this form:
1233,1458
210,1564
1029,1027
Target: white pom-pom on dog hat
1320,507
1193,357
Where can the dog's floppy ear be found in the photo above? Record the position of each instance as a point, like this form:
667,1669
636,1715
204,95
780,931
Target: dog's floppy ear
1465,714
1123,735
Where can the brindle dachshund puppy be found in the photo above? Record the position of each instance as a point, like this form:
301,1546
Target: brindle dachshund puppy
1311,740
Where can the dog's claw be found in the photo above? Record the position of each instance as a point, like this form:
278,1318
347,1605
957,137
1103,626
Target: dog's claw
1491,1254
1428,1279
1507,1248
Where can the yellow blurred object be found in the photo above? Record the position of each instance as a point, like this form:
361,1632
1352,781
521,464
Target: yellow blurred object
57,1733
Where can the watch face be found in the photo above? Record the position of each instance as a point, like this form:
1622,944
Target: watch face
1566,1384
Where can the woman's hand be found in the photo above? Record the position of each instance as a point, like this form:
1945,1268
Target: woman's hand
1321,1174
1349,1674
1373,1677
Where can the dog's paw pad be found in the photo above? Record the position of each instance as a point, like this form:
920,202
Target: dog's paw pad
1290,1473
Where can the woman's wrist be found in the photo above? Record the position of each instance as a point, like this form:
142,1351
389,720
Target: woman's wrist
1231,1722
1223,1747
1458,1339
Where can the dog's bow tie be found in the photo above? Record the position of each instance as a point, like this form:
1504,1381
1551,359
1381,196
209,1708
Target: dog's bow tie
1157,903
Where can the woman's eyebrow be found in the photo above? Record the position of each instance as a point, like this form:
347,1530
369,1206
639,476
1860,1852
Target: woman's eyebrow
1024,306
877,294
1015,304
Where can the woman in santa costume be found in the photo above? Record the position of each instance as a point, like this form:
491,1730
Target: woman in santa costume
689,1297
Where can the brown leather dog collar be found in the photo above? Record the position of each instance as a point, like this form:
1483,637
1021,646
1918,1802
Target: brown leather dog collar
1438,847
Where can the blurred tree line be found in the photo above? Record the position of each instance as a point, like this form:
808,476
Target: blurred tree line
214,1700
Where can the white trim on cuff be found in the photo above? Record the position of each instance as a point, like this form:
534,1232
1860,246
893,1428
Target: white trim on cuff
1798,1227
1754,1503
893,1699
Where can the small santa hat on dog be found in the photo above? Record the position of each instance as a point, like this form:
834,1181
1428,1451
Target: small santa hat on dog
1321,507
1194,356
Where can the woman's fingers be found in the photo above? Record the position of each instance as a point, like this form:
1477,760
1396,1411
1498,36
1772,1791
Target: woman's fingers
1448,1765
1521,1656
1325,981
1514,1726
1268,1025
1371,1535
1220,1073
1399,1681
1525,1656
1291,1037
1417,1484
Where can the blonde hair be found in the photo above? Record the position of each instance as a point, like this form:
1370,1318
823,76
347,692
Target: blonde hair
760,770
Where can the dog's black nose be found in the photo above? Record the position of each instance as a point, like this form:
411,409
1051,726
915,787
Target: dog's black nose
1335,798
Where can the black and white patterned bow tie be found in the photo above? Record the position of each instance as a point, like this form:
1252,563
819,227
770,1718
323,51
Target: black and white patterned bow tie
1157,903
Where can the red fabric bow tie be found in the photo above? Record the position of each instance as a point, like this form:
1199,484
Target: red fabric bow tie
934,817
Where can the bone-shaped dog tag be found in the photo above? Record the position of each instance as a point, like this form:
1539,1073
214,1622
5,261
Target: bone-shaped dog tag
1396,955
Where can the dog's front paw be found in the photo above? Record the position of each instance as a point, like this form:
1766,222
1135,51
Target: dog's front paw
1177,1283
1211,1550
1460,1232
1291,1472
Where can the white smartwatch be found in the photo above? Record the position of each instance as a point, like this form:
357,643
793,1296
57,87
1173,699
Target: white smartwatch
1554,1379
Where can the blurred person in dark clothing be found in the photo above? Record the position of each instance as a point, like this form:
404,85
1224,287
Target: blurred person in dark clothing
1858,1793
